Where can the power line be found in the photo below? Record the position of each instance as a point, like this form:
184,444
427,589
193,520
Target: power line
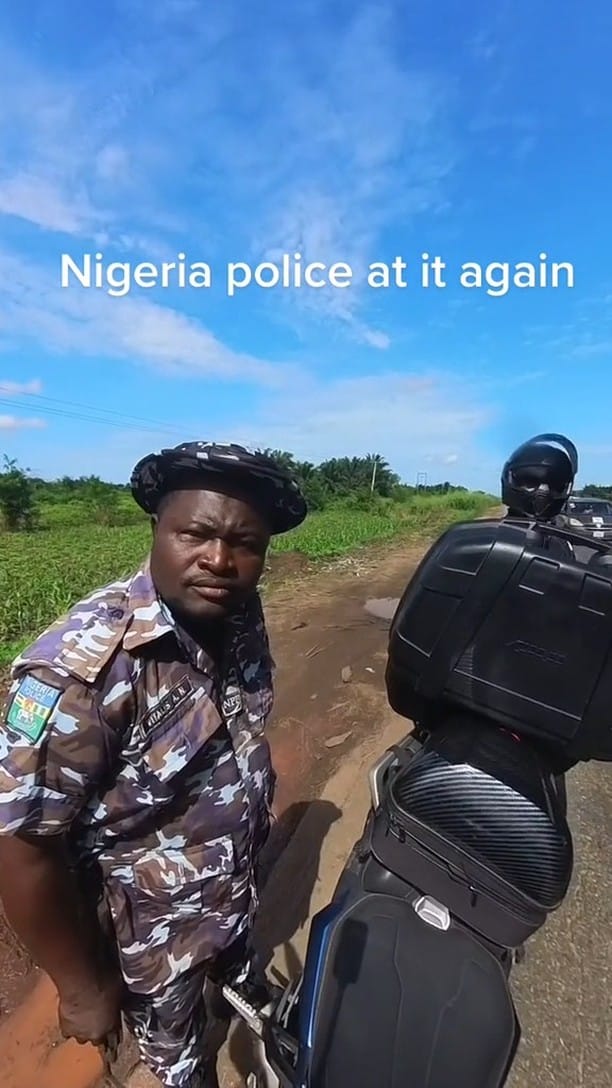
123,423
88,407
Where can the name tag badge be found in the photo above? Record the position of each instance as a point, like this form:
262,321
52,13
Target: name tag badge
167,707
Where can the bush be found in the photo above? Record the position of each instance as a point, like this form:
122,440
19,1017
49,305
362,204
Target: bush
461,501
17,498
364,500
315,492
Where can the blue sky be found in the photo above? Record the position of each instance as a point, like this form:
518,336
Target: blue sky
345,131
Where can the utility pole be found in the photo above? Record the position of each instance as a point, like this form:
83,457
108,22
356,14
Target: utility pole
421,480
373,475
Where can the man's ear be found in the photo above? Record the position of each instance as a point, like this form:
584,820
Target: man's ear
154,521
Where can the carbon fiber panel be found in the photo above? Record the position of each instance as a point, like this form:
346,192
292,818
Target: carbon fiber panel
491,798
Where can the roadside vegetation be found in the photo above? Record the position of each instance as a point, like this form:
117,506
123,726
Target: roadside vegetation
60,539
596,491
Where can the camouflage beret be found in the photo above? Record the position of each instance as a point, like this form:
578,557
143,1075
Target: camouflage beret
272,488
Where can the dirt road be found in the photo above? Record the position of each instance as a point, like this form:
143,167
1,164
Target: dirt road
327,725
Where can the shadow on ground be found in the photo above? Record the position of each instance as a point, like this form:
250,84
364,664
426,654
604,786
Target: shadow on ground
285,900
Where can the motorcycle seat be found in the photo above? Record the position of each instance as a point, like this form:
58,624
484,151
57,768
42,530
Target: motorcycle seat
398,1001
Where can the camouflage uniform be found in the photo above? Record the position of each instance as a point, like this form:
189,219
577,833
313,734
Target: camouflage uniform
119,732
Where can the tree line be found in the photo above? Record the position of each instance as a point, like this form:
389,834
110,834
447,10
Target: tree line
596,491
342,477
361,480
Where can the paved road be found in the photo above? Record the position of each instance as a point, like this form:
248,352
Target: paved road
563,990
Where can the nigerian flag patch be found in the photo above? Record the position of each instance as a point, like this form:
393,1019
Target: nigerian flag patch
31,707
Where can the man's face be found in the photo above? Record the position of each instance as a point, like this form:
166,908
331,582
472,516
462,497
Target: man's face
208,553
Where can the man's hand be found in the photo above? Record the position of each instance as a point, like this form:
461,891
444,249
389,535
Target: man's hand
92,1013
59,925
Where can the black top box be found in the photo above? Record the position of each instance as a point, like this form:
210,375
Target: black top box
498,622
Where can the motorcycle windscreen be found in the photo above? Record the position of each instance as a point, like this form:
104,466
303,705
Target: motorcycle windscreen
401,1004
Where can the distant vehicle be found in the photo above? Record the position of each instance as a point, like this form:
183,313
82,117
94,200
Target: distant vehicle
593,516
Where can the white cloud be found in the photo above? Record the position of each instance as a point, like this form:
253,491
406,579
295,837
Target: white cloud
351,165
38,200
406,418
589,347
112,455
112,163
604,449
412,420
293,157
47,133
488,383
376,339
14,389
586,332
483,47
91,323
16,423
62,158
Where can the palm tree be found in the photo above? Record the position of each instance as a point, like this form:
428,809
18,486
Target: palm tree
282,458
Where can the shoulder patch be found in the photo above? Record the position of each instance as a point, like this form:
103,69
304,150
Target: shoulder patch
31,707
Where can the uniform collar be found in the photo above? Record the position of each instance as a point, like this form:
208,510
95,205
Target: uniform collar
149,618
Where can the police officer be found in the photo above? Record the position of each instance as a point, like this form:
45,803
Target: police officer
134,766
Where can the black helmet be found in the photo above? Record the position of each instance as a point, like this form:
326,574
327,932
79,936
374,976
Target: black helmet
538,477
271,488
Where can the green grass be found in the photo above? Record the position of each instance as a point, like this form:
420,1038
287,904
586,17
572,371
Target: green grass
337,531
42,574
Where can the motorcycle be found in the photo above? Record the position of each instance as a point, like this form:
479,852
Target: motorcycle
501,653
